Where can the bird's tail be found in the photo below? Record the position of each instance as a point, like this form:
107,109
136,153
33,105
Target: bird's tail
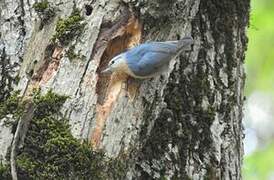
185,43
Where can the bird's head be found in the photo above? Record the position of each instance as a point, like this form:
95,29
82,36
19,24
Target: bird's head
115,64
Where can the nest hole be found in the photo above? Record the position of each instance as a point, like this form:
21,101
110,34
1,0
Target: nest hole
88,9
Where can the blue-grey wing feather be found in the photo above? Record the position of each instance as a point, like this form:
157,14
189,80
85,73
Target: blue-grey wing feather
152,63
151,58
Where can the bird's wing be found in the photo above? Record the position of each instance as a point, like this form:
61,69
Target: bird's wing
153,62
169,47
158,53
150,58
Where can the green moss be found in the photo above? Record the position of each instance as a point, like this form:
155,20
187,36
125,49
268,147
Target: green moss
69,28
47,105
17,79
41,6
70,53
12,105
44,11
4,171
115,168
51,152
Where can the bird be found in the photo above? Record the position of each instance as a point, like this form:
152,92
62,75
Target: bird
149,59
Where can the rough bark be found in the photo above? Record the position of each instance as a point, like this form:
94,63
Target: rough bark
184,124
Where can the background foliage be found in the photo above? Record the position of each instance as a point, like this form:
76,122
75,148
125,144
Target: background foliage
259,162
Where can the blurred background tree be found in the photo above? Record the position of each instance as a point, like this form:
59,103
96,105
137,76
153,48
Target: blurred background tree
259,106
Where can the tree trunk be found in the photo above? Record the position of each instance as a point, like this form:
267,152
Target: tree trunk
184,124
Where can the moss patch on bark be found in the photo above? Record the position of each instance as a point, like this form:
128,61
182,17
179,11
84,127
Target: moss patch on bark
50,151
44,11
69,28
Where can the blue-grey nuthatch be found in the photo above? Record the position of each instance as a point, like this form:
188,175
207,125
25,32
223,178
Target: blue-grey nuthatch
149,59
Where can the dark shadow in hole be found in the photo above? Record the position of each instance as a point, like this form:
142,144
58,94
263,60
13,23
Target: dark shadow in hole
31,72
178,36
88,9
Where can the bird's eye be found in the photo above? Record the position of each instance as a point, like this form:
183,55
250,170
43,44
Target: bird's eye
112,62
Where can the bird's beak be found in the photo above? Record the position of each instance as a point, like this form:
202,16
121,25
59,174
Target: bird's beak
106,71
